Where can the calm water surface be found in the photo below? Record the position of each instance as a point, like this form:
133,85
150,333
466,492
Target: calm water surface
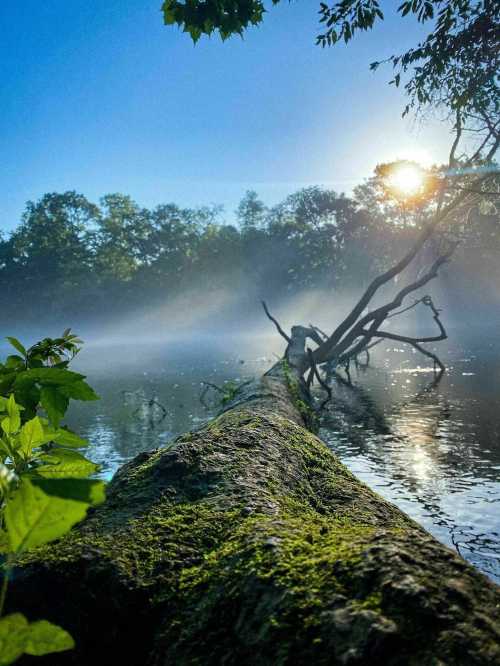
432,450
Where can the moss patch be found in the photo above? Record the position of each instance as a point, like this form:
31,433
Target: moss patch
299,399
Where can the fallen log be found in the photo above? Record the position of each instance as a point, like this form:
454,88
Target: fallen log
249,542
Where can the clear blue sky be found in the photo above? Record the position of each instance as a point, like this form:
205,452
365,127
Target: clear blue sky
99,96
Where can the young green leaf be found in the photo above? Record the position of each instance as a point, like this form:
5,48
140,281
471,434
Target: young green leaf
45,638
17,345
31,436
54,403
18,637
13,636
65,437
5,450
12,422
90,491
33,518
45,375
61,463
79,390
14,362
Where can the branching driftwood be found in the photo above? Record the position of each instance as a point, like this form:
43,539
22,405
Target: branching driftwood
363,328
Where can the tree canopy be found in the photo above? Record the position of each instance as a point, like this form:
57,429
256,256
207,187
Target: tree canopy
71,257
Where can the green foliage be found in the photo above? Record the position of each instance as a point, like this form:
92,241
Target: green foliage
39,376
18,637
44,484
231,390
313,239
49,253
228,17
251,212
33,518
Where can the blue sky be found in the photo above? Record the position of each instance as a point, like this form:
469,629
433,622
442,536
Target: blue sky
99,96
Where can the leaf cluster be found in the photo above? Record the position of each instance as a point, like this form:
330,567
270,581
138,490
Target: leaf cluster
45,487
18,637
228,17
39,377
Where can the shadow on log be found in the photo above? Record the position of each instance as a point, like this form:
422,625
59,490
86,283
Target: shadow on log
248,542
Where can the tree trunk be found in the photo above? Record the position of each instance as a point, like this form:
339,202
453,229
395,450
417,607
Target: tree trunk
248,542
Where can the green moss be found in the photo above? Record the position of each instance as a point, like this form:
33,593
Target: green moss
298,552
297,395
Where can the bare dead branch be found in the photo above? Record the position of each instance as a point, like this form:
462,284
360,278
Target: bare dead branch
310,378
372,344
209,385
405,338
458,135
366,351
366,337
276,323
417,346
494,148
400,312
319,331
380,314
323,352
416,341
225,392
493,127
480,149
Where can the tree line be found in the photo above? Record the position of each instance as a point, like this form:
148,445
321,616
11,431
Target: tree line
72,258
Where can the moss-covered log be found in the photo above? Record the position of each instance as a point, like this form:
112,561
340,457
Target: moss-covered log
248,542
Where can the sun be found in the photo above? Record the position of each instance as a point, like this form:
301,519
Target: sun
406,179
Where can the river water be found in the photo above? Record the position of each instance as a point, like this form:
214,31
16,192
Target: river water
432,450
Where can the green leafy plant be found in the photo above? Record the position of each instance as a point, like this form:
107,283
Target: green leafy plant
39,377
45,487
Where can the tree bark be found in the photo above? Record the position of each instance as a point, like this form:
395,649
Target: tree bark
248,542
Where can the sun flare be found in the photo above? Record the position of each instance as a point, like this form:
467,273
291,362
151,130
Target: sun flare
406,180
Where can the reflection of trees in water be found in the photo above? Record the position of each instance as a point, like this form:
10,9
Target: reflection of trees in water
427,447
